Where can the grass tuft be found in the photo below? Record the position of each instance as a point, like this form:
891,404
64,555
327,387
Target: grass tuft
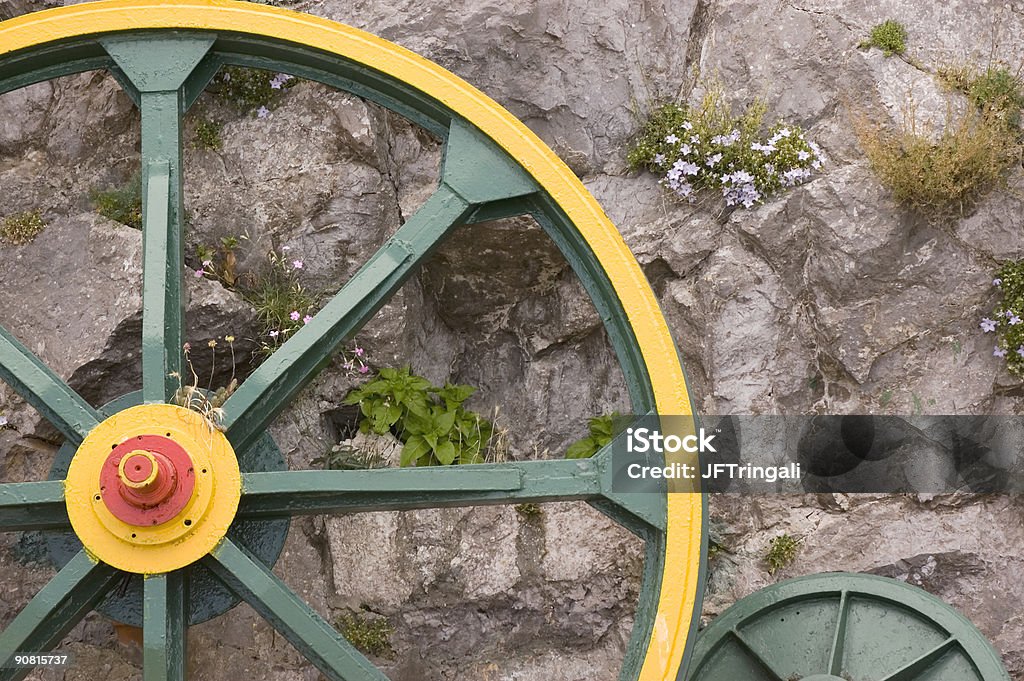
945,175
370,635
21,228
121,204
890,37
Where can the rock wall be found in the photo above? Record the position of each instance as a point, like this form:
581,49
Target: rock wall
830,298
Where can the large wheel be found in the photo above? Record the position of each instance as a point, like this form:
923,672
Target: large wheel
164,54
843,627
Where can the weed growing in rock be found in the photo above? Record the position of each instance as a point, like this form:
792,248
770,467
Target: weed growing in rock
282,304
21,228
250,91
1007,316
602,430
781,552
944,175
432,423
529,511
208,135
370,635
997,92
121,204
346,457
207,401
706,146
890,37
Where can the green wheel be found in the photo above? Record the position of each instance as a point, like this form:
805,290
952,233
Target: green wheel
184,489
843,627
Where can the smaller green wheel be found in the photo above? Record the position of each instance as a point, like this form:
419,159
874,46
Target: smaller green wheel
843,627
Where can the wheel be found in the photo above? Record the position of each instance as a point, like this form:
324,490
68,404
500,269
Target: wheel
843,627
184,489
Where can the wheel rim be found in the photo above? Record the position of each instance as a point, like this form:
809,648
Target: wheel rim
837,627
164,54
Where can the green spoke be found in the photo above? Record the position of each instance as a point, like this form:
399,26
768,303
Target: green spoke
44,390
313,637
916,668
279,379
32,506
155,73
302,492
756,656
835,663
54,611
402,489
165,624
162,306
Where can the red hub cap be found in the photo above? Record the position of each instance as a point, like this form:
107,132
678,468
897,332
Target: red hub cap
147,480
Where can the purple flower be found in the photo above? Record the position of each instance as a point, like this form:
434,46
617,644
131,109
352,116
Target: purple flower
363,369
685,167
359,351
997,282
999,352
307,319
199,273
687,125
671,139
262,112
297,264
987,325
1014,320
280,79
1020,350
295,315
659,159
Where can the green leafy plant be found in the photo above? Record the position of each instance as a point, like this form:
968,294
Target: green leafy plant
969,158
370,635
707,147
21,228
208,134
781,552
121,204
432,423
890,37
602,431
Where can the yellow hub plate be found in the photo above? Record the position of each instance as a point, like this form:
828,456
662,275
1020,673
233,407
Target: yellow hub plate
186,537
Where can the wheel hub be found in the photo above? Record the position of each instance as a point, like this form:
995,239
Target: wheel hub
153,488
147,480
